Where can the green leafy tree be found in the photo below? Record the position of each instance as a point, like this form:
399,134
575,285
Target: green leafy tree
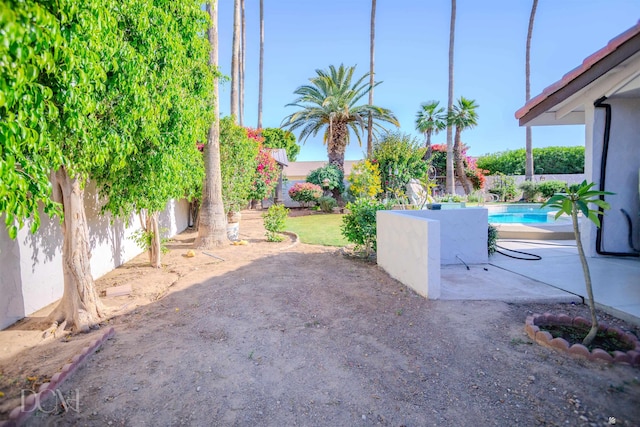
430,120
577,199
167,163
400,158
238,161
463,116
359,225
74,95
331,103
280,138
328,177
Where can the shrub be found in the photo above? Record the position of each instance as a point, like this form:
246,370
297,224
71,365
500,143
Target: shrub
274,222
364,180
547,160
400,158
265,177
549,188
492,239
505,187
305,193
530,191
327,203
359,225
280,138
327,177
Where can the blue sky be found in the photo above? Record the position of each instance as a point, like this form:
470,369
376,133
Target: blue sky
412,39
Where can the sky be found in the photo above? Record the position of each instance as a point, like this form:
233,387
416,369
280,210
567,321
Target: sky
411,58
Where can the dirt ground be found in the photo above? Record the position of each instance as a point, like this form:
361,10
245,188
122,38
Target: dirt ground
293,334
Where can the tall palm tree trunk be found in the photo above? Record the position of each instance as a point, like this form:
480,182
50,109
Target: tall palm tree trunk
212,229
371,76
451,185
261,71
460,172
235,63
528,170
243,56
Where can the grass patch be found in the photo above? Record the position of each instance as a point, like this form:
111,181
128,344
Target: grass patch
318,229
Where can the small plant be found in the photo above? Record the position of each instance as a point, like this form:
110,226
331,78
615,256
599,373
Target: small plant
359,226
530,191
505,187
305,193
274,222
327,203
143,239
577,198
492,239
451,198
549,188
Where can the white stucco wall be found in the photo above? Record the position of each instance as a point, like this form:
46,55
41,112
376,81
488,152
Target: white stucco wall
31,265
623,162
409,250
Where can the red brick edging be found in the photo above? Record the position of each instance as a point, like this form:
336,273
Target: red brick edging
631,357
20,414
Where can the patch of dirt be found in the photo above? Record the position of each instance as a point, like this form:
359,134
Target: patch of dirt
282,334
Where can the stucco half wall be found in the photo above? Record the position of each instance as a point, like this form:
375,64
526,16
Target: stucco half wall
31,265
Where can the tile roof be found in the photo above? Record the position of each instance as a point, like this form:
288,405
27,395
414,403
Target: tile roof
579,71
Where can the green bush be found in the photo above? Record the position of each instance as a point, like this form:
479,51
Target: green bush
530,191
505,187
274,222
327,203
549,188
327,177
359,225
364,179
400,158
280,138
547,160
238,162
492,239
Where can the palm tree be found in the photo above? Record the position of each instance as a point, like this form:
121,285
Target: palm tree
235,62
451,185
528,169
430,120
212,230
463,116
330,103
243,56
261,71
371,75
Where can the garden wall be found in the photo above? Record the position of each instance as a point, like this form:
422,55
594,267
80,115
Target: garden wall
31,265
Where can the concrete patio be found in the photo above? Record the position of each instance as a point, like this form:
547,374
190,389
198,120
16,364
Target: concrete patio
556,277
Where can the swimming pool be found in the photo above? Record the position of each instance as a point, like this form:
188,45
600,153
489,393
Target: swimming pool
522,214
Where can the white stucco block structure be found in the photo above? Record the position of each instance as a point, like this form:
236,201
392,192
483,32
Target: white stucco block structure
409,250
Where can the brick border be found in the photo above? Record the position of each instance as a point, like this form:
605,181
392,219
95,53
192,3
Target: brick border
20,413
631,357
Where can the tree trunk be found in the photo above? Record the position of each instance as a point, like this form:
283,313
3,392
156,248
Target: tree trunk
427,154
235,62
149,223
80,307
261,71
336,147
371,76
243,52
529,170
451,185
587,277
460,172
212,226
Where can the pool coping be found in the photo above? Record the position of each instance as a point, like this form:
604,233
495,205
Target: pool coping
543,231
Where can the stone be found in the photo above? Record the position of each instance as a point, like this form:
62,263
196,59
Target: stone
560,344
543,337
579,350
600,354
581,321
621,357
564,320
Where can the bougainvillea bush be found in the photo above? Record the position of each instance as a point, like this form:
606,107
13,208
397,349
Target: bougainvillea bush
471,169
305,193
266,175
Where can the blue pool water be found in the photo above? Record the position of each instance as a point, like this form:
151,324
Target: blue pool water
520,214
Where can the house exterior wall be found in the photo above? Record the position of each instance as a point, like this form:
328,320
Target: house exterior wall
31,265
623,164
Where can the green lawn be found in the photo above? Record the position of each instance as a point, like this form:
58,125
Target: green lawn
318,229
